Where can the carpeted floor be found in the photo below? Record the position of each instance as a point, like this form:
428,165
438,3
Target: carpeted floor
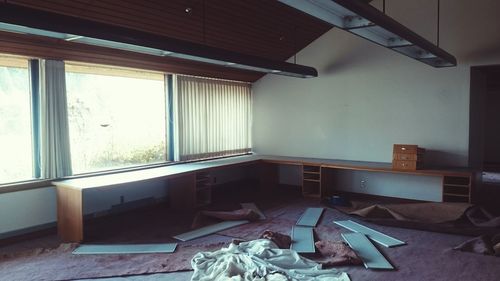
428,255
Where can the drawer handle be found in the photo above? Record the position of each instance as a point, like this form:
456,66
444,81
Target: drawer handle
404,164
403,148
403,157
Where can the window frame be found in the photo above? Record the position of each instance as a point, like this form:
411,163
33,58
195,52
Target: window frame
35,96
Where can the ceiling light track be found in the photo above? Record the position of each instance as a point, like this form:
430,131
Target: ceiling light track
18,19
366,21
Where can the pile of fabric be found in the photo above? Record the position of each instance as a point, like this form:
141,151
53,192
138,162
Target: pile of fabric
259,260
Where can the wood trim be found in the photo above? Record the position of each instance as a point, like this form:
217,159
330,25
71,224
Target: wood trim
8,188
70,214
50,48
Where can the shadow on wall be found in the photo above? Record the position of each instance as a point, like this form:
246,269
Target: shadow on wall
439,158
349,58
487,53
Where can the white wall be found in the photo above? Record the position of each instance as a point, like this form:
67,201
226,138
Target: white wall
28,208
367,97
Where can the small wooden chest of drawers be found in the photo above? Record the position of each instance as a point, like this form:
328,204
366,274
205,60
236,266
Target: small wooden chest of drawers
407,157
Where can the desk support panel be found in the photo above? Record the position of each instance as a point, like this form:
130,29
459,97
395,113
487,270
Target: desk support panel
182,192
69,214
268,176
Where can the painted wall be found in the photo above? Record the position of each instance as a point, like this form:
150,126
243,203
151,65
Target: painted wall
23,209
426,188
367,97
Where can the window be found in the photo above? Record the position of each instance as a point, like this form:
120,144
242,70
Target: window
117,117
213,117
16,157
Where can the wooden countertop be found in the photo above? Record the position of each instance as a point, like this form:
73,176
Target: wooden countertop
179,169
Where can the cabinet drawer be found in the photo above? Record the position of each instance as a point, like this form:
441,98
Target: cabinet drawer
408,149
406,156
404,165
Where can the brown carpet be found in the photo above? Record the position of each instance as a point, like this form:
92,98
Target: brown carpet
427,256
60,264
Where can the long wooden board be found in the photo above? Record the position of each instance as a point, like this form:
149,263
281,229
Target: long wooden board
371,257
207,230
302,239
310,217
379,237
125,249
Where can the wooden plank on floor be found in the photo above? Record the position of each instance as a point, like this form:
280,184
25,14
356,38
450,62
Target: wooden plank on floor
302,239
207,230
370,255
253,207
379,237
125,249
310,217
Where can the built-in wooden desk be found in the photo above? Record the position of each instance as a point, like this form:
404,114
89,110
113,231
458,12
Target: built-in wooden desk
189,184
182,180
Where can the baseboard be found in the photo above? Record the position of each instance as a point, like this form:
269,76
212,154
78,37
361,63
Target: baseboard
28,233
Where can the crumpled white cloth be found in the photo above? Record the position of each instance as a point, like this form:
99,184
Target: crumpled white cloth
259,260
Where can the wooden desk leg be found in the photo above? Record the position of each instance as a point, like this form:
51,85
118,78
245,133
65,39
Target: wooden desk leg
69,214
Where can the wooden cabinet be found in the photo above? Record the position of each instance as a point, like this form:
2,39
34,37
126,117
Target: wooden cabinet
311,181
457,188
407,157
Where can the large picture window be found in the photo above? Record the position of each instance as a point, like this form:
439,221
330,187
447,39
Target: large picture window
60,119
117,117
16,155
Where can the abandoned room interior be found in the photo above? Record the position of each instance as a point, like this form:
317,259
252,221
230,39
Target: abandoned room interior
249,140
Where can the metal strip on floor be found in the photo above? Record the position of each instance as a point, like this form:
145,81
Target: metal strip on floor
125,249
370,255
207,230
253,207
379,237
302,239
310,217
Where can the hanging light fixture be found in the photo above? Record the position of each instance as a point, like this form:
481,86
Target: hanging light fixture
369,23
14,18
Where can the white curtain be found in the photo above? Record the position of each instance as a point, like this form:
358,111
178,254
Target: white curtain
55,150
213,117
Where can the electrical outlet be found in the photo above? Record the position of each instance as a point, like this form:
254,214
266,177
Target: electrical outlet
362,184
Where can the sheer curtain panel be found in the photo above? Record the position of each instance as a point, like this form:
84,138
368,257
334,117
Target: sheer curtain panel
213,117
55,150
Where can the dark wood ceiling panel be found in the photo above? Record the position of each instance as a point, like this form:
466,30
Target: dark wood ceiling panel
278,32
48,48
264,28
169,18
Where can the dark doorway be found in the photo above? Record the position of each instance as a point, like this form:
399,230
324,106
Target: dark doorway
484,132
